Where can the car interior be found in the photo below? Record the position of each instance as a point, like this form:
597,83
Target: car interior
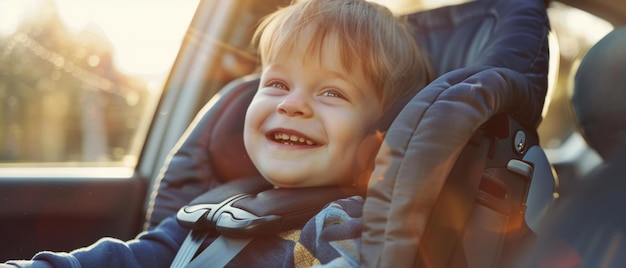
471,142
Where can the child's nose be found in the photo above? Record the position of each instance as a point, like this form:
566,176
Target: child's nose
294,105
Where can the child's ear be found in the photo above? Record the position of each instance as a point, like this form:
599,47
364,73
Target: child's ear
364,162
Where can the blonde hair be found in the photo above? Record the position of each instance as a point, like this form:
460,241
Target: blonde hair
369,37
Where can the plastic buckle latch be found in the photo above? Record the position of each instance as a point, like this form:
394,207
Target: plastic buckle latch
203,216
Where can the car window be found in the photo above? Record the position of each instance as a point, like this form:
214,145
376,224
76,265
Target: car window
576,31
79,80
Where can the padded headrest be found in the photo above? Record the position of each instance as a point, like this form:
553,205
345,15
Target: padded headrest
486,33
599,94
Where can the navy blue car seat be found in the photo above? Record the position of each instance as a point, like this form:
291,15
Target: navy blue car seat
466,142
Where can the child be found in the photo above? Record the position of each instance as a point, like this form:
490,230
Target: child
331,68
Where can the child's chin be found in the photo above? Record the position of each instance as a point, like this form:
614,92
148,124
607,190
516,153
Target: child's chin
286,183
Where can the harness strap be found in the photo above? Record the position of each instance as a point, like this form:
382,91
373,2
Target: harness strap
189,248
220,252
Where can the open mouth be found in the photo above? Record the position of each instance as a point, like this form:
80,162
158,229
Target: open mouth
291,139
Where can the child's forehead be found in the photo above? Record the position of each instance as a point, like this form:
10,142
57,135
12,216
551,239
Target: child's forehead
325,49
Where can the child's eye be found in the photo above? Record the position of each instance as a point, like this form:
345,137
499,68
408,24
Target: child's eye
277,84
332,93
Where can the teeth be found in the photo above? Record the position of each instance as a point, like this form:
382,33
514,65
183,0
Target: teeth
290,139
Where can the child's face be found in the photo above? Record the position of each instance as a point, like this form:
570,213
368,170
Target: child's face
308,118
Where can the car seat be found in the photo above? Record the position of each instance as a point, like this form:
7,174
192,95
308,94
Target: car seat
586,228
468,136
599,94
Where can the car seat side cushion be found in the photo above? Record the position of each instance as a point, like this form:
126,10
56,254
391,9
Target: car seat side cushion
190,166
421,148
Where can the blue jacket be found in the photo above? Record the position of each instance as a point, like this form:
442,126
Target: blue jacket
330,238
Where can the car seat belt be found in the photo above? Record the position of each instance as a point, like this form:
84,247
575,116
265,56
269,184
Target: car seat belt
219,253
188,249
242,209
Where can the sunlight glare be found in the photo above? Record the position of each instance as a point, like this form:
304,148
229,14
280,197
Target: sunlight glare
145,34
11,14
577,30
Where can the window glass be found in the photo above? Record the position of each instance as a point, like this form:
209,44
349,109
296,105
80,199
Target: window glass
79,79
576,31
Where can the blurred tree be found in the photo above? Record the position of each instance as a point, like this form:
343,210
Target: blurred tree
61,97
